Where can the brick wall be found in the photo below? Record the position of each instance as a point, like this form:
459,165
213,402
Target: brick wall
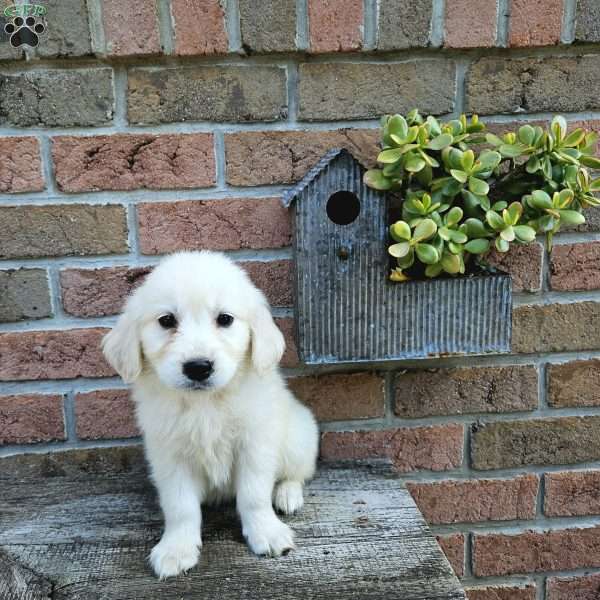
117,147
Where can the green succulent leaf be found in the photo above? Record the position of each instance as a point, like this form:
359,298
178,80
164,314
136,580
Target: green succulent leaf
459,175
375,179
414,164
424,230
571,217
524,233
502,245
440,142
451,263
477,246
399,250
427,254
400,231
494,220
526,135
590,161
478,186
512,150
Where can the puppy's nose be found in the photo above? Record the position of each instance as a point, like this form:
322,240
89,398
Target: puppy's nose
198,370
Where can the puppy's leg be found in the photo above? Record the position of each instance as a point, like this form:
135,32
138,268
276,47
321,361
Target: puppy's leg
263,531
179,547
299,459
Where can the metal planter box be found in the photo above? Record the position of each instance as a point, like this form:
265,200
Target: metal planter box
348,311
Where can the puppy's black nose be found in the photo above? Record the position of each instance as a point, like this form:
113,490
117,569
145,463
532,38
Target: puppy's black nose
198,370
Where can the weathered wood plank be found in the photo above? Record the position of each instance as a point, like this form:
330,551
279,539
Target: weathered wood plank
80,524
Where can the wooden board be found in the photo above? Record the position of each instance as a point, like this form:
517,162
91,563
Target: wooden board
80,524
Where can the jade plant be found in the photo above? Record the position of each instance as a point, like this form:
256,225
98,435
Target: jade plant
465,191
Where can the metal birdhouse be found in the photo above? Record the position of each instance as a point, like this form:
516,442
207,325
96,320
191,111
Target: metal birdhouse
346,308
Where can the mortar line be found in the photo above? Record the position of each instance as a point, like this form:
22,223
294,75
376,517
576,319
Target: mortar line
193,127
133,234
47,167
370,24
165,21
540,589
98,39
232,25
569,22
220,160
70,419
438,20
389,394
58,312
120,83
302,25
502,23
292,92
462,68
468,555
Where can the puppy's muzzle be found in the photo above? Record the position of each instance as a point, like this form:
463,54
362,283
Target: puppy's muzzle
198,370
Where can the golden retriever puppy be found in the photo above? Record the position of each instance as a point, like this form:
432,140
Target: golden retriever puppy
199,345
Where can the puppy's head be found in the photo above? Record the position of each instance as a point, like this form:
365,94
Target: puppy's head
195,322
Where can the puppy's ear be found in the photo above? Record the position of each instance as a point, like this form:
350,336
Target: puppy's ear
122,348
268,343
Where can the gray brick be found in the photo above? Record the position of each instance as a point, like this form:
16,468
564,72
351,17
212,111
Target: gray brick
556,327
367,90
24,294
207,94
404,24
70,98
466,390
587,24
68,32
268,26
501,85
62,230
559,441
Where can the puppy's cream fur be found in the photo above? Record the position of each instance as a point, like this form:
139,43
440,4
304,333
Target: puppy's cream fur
241,434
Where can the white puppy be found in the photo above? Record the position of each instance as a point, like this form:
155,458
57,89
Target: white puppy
198,342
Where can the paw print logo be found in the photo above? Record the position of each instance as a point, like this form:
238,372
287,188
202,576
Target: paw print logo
24,32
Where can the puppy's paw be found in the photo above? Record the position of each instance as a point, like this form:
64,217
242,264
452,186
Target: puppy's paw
172,556
288,497
269,537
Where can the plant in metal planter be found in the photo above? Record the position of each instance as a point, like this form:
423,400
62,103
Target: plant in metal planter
465,191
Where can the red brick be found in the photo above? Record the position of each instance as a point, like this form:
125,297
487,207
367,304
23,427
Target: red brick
342,396
130,28
31,418
20,165
199,27
281,157
535,22
129,162
436,448
453,547
290,356
98,292
574,383
573,588
52,355
524,263
228,224
536,551
575,267
105,414
470,24
274,278
101,292
572,493
471,501
335,25
501,593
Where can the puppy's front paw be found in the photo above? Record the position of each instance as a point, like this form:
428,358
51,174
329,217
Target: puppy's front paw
269,536
288,497
172,556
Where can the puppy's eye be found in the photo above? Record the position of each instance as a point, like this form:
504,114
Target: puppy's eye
168,321
224,320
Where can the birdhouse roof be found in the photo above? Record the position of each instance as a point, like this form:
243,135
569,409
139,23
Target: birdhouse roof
332,155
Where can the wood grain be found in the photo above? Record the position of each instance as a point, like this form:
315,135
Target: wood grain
80,524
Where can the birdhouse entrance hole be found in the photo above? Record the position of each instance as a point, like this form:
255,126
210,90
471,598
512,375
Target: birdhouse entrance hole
343,207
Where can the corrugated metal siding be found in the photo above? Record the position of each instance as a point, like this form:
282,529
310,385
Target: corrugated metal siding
348,310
